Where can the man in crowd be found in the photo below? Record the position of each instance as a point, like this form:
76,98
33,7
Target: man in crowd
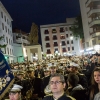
15,92
57,85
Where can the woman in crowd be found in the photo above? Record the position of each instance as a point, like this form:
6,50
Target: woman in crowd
95,83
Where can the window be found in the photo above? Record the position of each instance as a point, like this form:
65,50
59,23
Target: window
47,38
54,37
46,32
68,48
71,41
5,18
3,26
63,49
47,44
54,31
48,51
55,44
6,28
7,39
72,48
62,29
2,14
67,42
56,49
8,50
62,37
67,35
63,43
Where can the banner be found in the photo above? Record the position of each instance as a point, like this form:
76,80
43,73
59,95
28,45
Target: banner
6,76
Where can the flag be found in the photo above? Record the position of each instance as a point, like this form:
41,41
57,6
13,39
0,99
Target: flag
6,76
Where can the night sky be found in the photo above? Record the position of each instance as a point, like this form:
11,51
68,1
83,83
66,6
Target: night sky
24,12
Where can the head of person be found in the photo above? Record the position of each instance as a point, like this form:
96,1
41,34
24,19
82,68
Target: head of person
15,92
85,63
96,76
57,83
38,66
46,72
72,80
53,69
30,73
74,67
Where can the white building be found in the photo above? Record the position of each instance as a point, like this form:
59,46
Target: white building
58,38
6,31
20,40
90,11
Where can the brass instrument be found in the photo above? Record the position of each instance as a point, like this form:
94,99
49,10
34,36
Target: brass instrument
47,90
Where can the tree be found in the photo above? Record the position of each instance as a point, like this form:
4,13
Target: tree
33,36
2,46
77,28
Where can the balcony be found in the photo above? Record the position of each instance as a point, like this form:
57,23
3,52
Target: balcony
47,46
54,38
89,2
63,44
94,22
55,45
95,33
92,12
19,40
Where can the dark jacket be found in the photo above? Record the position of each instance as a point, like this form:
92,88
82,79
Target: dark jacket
63,97
78,92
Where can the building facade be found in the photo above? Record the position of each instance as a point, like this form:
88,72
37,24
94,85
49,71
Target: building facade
6,31
90,11
57,38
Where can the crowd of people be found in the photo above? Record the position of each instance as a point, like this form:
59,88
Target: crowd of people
59,78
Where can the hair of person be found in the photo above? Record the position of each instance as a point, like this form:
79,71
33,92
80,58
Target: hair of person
73,79
93,83
58,75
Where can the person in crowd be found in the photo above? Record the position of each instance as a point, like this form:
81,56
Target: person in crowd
34,86
95,83
39,72
45,80
82,78
15,92
57,85
74,89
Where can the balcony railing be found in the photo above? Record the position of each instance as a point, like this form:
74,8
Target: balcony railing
93,11
48,52
89,2
94,22
54,38
55,45
63,44
47,46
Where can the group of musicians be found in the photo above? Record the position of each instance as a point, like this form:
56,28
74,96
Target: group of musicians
34,76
